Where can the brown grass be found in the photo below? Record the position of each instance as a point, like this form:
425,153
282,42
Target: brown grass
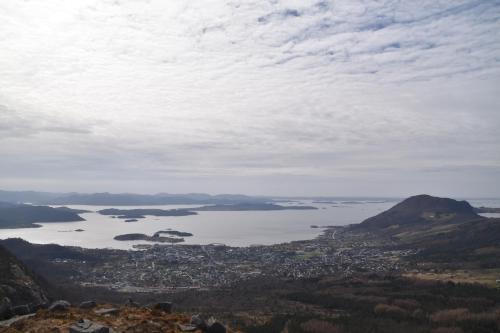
130,320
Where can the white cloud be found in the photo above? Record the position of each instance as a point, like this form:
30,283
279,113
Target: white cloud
330,93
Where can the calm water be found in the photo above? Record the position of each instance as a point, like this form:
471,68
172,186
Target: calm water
486,203
231,228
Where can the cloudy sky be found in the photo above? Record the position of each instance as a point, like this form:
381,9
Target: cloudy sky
347,97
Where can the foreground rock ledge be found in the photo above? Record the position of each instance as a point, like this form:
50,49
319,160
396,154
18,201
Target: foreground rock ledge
129,319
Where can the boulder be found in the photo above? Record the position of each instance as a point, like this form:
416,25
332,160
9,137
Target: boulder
187,328
21,310
87,326
130,303
107,311
87,305
216,328
163,306
5,308
13,320
59,306
198,322
34,307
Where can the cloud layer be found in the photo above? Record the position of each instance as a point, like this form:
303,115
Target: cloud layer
280,97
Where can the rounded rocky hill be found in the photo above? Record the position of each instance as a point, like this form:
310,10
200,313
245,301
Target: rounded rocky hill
422,209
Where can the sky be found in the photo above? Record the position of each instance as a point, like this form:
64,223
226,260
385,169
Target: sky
270,97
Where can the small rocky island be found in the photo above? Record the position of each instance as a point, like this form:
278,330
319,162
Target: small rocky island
489,210
157,237
173,233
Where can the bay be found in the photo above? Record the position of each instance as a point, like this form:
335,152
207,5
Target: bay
234,228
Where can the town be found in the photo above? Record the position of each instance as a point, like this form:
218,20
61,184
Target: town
171,268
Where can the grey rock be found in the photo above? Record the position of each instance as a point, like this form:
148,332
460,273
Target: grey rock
5,308
187,328
87,305
34,307
9,322
7,290
198,322
108,311
163,306
59,306
21,310
216,328
87,326
130,303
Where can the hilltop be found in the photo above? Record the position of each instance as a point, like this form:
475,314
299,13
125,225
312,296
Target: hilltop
422,210
443,230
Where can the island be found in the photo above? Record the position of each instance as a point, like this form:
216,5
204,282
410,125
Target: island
325,202
131,220
140,213
173,233
143,237
249,207
131,214
487,210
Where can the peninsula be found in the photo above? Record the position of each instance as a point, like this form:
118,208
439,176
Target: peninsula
25,216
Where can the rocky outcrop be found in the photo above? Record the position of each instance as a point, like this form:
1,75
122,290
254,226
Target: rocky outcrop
198,322
164,306
22,310
88,326
60,305
108,311
216,327
88,305
20,290
5,308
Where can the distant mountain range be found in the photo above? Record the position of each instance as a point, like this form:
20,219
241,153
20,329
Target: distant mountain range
124,199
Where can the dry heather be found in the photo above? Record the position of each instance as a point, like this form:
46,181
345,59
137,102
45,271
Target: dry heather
129,320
